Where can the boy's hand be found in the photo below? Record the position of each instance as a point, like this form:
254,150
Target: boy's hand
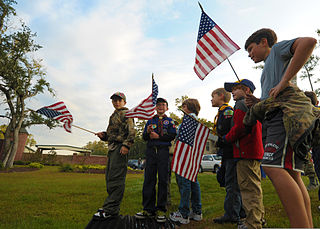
274,92
124,150
100,134
250,100
149,129
154,135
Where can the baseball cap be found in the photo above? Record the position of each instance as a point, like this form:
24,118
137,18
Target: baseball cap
161,100
228,86
118,94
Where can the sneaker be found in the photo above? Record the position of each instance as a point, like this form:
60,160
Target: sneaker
241,225
195,216
161,217
177,217
101,214
144,214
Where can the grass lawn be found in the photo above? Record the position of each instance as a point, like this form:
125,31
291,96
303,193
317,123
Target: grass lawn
48,198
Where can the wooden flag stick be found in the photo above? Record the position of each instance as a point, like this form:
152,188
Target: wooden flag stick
233,69
84,129
308,77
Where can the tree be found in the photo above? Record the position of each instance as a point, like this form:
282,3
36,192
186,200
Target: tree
21,78
97,147
309,68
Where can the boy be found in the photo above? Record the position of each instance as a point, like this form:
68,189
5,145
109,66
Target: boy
120,136
248,150
188,188
158,132
222,125
288,118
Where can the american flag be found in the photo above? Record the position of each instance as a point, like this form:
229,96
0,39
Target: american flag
145,110
213,46
192,139
58,111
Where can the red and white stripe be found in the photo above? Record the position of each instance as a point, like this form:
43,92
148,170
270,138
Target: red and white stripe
212,49
66,116
186,159
145,110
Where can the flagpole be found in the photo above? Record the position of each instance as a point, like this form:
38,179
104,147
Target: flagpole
233,69
83,129
201,7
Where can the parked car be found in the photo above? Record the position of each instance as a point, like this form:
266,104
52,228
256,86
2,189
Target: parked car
134,164
210,162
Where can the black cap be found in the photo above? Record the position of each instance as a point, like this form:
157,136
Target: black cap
161,100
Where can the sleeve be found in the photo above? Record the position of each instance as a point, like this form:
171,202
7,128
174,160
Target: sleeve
284,48
238,129
128,142
172,132
225,124
145,135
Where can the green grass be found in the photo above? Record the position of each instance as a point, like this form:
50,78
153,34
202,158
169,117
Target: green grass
48,198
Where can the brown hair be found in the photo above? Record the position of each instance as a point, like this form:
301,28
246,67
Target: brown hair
222,91
241,87
193,105
256,37
312,96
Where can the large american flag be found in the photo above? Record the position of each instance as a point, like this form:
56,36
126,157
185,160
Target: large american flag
213,46
58,111
145,110
192,139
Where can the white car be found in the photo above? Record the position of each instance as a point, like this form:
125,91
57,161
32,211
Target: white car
210,162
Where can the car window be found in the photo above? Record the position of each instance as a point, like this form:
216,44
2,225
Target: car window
217,157
205,158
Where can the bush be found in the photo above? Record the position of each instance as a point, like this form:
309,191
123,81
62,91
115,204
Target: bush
35,165
66,168
85,168
21,162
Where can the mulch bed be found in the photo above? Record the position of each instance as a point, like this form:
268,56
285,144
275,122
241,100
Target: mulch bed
18,169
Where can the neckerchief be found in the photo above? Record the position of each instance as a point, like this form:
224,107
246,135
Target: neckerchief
221,108
160,124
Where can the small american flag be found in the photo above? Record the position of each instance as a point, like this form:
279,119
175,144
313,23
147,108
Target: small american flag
192,139
58,111
213,46
145,110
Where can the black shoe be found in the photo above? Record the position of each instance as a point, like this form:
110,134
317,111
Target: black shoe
224,219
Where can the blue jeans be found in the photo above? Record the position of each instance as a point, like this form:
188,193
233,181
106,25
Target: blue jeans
232,201
186,187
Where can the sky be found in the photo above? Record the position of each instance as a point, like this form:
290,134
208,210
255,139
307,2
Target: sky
93,48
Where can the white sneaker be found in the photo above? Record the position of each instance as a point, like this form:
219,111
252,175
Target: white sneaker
177,217
195,216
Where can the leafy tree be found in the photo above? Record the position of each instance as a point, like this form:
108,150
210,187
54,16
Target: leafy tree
97,147
21,78
309,67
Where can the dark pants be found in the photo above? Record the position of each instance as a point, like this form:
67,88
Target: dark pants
316,161
157,161
232,202
116,172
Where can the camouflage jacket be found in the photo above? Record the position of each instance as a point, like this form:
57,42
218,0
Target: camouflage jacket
120,129
300,118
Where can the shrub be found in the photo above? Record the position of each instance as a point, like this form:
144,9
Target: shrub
35,165
66,168
21,162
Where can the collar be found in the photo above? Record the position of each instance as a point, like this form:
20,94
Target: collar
223,106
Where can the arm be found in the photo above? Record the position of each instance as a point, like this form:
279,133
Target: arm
238,130
128,142
302,49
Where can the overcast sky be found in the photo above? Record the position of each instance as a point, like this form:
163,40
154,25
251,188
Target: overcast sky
93,48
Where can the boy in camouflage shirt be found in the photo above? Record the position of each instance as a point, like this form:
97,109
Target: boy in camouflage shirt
120,136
